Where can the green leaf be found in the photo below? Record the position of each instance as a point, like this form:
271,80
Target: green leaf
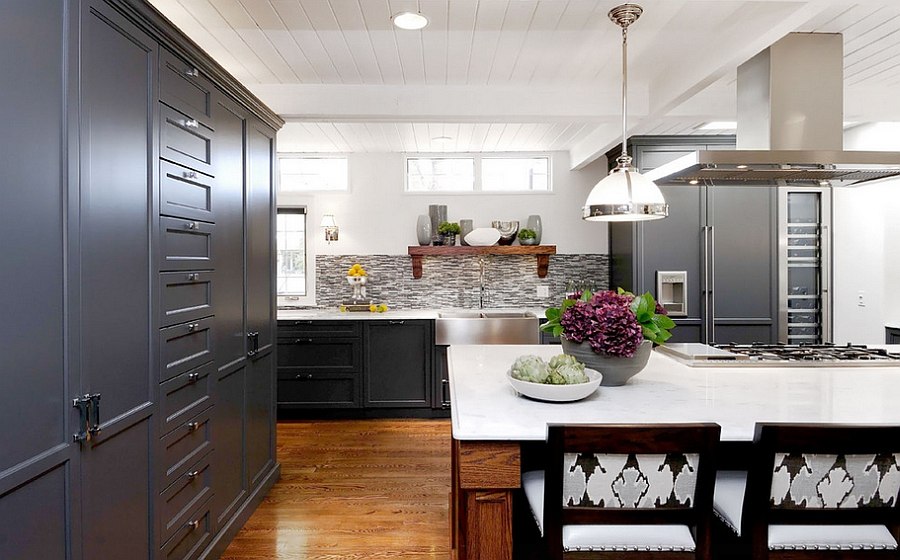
664,321
553,314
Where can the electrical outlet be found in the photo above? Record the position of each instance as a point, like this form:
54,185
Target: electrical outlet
861,299
543,291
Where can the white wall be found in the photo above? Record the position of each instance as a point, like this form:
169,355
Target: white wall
866,251
377,217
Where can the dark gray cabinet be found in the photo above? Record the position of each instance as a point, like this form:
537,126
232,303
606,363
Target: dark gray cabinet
398,363
111,217
724,238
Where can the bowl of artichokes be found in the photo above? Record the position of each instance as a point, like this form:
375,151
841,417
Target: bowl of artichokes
563,379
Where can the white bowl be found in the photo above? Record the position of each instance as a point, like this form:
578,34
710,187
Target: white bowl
482,237
557,393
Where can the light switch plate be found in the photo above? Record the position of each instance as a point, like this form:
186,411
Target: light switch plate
543,291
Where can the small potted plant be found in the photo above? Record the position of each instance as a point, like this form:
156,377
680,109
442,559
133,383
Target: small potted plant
448,232
528,237
610,331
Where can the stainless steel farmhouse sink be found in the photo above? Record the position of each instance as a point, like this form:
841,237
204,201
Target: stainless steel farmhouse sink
486,327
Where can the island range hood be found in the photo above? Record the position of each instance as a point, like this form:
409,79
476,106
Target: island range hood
789,124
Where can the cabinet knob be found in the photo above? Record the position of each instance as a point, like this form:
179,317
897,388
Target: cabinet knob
192,475
191,225
191,327
193,277
194,524
193,377
192,426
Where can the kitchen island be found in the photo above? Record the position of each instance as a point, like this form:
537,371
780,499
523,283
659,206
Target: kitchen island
490,422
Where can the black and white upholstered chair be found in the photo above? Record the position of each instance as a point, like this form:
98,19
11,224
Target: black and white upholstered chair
633,491
815,491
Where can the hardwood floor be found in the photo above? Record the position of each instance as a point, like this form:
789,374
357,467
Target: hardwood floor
355,490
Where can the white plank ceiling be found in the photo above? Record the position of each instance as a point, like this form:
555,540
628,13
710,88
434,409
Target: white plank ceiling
512,75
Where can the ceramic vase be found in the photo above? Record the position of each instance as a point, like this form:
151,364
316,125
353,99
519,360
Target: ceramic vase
438,215
423,230
465,228
534,223
616,370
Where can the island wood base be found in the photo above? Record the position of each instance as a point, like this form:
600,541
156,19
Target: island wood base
485,475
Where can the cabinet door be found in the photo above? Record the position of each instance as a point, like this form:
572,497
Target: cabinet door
259,418
398,363
112,303
744,272
36,448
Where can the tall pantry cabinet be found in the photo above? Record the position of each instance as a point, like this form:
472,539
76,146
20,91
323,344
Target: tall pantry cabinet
136,225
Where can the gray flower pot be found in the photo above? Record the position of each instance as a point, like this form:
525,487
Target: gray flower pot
615,369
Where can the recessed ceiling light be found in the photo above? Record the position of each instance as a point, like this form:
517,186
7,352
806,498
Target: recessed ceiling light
441,139
718,125
411,21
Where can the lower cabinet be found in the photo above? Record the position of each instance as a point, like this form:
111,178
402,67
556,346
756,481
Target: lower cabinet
356,364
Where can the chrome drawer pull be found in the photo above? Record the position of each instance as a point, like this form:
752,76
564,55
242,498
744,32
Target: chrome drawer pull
192,123
194,524
191,225
302,340
193,377
192,72
189,174
191,327
192,475
304,376
192,426
193,277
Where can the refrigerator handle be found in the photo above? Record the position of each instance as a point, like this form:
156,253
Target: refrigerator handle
705,289
711,292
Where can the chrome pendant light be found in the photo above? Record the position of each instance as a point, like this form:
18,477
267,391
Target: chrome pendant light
625,195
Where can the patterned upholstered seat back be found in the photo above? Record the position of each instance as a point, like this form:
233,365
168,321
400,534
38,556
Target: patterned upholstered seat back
829,481
629,481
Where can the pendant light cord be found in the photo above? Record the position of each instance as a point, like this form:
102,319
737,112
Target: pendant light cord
625,158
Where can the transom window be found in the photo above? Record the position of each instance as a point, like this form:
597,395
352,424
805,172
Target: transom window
312,173
478,173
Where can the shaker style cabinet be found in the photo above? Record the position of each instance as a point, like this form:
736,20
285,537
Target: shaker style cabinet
722,241
398,363
144,410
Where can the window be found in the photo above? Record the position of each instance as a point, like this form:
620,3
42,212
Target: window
477,173
440,174
301,173
291,244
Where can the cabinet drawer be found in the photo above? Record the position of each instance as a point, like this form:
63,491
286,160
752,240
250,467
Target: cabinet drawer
184,396
185,244
310,354
184,193
184,347
318,390
178,501
190,539
184,447
185,140
184,87
309,328
185,296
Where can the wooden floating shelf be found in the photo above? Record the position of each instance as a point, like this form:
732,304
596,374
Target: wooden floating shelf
542,252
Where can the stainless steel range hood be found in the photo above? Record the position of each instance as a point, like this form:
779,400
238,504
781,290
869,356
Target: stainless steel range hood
790,124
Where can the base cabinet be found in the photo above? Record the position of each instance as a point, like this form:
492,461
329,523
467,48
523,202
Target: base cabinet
398,364
136,438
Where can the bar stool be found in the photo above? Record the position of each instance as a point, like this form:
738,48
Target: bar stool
814,491
626,491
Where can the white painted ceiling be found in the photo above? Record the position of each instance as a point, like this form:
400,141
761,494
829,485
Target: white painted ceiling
511,75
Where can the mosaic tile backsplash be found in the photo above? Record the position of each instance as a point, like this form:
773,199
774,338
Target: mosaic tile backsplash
507,280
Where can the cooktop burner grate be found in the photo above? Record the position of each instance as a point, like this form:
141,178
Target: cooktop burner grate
809,352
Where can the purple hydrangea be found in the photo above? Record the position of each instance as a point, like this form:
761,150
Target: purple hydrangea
606,322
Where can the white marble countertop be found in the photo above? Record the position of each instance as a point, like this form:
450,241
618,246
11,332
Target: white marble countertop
332,314
485,407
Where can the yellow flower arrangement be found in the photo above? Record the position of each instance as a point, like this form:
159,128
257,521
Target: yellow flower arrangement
356,270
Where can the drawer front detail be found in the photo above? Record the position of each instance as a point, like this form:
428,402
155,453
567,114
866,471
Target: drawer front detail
184,347
184,396
308,328
310,354
184,495
182,86
186,296
317,390
185,193
190,539
185,244
185,140
184,447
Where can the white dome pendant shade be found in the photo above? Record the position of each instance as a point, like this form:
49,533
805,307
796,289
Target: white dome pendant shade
625,195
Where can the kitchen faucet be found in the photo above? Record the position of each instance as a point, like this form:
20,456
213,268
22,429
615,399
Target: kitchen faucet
481,281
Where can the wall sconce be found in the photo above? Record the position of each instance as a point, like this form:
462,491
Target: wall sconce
331,228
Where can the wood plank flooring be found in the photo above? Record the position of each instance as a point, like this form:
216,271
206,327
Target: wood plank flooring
354,490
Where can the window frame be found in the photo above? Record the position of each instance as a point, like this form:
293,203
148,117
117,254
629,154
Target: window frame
306,155
305,212
478,186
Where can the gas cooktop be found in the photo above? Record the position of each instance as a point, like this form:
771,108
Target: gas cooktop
743,355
